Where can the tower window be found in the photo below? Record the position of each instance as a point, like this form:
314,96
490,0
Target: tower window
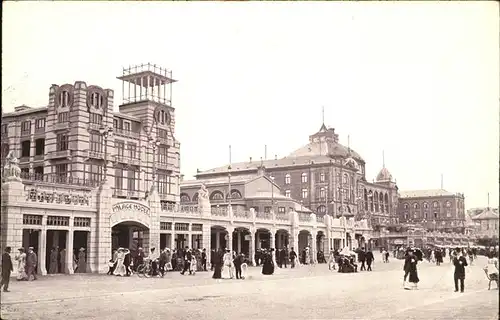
288,179
304,177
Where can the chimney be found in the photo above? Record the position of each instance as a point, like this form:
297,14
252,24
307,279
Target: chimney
250,159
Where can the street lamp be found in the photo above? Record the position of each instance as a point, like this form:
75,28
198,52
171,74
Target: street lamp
106,132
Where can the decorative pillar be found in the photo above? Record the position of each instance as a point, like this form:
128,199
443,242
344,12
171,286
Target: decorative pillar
251,246
189,240
314,249
69,269
230,239
42,251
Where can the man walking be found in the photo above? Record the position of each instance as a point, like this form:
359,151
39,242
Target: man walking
369,260
362,259
31,261
204,260
460,262
238,261
187,261
293,258
7,268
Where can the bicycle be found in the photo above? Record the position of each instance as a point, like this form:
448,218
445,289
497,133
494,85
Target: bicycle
145,269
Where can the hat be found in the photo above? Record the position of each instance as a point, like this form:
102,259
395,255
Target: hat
82,249
31,248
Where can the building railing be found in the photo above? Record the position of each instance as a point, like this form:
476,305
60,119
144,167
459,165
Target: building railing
305,217
96,154
59,154
282,216
320,219
242,214
172,207
40,130
61,125
126,133
263,215
53,178
221,211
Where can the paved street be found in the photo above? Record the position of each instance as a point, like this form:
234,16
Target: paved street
309,292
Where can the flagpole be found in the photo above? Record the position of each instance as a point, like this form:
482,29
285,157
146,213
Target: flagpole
229,178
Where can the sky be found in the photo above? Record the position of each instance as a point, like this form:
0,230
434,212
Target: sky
418,81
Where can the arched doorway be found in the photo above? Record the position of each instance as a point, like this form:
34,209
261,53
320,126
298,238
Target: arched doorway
131,235
241,241
305,240
282,239
262,239
218,238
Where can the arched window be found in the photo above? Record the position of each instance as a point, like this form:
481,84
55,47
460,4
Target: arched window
426,205
415,206
345,178
448,204
288,179
322,193
321,209
304,177
406,206
381,201
375,198
217,196
435,204
64,99
96,100
322,177
195,197
185,197
370,199
235,194
386,200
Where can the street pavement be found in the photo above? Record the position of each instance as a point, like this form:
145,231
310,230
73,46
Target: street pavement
307,292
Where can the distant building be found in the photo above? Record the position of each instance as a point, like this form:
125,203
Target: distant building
486,223
436,210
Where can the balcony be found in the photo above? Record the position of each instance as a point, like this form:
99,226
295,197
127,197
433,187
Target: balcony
129,194
53,178
126,133
40,130
61,154
95,155
164,166
39,157
25,133
61,126
128,160
94,126
24,159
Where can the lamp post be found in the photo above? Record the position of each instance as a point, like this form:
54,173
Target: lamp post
106,132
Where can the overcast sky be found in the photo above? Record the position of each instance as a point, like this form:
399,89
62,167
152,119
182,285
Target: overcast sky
418,80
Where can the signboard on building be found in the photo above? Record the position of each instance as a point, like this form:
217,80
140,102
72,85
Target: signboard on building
131,206
398,241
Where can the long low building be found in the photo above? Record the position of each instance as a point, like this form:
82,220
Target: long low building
45,216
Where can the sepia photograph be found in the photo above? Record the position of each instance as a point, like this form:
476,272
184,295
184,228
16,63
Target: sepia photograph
228,160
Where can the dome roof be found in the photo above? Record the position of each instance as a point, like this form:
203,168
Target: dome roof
384,175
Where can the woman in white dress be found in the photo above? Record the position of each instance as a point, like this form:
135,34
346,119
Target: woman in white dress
228,263
21,265
120,267
168,264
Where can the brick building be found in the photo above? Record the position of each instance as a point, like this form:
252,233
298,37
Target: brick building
436,210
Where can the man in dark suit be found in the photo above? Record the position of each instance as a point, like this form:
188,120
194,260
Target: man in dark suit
362,259
460,262
369,259
187,261
204,259
238,261
7,268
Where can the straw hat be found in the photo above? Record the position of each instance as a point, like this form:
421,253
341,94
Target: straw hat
82,249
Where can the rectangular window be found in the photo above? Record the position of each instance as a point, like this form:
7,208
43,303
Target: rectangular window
120,148
63,117
25,128
304,193
132,150
95,118
39,147
81,222
5,130
40,123
94,172
281,209
62,142
32,219
96,143
287,179
126,126
288,193
322,177
196,227
164,184
61,170
322,193
165,225
162,154
304,178
181,227
115,123
38,172
57,221
162,134
267,209
25,148
132,178
119,179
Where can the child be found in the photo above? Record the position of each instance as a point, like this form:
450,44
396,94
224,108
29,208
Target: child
192,267
111,265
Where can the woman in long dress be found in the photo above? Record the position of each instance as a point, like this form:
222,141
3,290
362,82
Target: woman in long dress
228,264
217,258
411,268
53,261
267,265
21,265
81,266
120,267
